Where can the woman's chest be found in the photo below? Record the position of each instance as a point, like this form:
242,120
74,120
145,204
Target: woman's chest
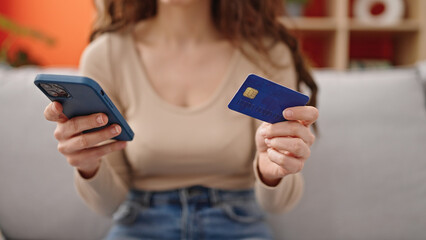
206,142
186,78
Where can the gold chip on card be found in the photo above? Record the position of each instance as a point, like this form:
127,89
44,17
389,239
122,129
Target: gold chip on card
250,93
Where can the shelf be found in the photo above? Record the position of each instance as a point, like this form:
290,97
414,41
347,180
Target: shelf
316,49
310,24
404,26
334,38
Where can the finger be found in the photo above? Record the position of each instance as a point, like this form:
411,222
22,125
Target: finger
53,112
260,137
288,129
289,146
287,163
305,114
85,158
88,140
79,124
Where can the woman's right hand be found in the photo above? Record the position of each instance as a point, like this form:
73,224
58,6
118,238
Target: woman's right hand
82,150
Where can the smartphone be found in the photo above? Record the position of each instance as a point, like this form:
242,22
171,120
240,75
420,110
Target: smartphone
82,96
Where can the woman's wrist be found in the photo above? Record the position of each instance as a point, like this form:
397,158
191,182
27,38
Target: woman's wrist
88,173
267,180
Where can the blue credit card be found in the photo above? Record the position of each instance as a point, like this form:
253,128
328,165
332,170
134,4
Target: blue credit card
265,100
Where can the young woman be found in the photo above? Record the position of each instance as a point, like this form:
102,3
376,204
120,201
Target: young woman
194,169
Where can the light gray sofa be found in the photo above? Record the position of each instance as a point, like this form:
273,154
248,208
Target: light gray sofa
366,178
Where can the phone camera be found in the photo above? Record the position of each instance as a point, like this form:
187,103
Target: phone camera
52,93
55,90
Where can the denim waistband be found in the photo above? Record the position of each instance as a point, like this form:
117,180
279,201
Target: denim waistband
188,195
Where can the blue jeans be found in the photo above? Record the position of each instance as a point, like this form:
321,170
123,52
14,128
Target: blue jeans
190,213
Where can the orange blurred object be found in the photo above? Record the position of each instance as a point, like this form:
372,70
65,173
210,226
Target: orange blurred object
67,22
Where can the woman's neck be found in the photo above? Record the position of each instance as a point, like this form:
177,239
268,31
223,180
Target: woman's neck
184,23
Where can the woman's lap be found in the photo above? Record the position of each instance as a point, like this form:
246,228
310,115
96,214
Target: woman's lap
194,213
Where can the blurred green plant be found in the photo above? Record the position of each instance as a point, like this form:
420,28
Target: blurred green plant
294,8
302,2
20,57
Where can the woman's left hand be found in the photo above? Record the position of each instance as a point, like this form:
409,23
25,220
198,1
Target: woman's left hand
284,147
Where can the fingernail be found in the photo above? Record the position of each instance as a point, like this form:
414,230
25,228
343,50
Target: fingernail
99,119
288,113
115,130
267,141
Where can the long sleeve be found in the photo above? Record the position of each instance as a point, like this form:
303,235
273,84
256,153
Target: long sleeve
289,191
280,198
108,188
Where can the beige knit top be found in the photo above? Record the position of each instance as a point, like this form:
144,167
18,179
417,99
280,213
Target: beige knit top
176,147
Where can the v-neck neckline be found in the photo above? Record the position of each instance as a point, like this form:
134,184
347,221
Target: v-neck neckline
143,75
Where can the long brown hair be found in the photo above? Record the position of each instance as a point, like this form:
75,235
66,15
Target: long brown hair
236,20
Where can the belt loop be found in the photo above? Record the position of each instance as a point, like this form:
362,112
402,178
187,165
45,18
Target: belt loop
146,200
214,196
183,197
